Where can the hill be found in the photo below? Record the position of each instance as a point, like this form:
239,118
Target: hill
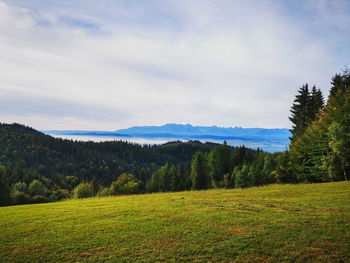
31,152
52,164
278,223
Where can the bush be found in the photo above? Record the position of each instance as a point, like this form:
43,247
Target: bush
125,184
36,188
20,187
131,187
83,190
39,199
105,191
59,195
20,198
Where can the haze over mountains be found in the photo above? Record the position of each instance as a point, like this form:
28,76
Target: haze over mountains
267,139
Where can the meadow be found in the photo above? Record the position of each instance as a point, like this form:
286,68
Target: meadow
276,223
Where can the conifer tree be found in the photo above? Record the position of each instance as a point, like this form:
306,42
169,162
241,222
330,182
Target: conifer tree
316,103
4,188
220,164
322,153
198,172
300,112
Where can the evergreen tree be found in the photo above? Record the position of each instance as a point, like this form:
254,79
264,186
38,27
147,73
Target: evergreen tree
300,112
153,185
284,168
321,153
198,172
219,163
164,178
4,187
183,172
316,103
242,176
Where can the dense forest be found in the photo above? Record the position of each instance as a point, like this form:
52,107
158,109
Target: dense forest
35,167
39,168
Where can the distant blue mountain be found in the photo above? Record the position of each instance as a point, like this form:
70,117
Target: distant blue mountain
268,139
187,130
85,133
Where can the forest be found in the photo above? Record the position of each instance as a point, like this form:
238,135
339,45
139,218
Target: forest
36,168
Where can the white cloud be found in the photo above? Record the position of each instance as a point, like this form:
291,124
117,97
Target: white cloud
193,62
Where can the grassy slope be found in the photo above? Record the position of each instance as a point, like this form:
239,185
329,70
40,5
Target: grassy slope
289,223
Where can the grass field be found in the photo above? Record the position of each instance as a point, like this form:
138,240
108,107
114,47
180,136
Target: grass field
279,223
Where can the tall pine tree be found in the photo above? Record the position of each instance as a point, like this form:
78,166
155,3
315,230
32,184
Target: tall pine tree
305,109
300,112
198,172
316,103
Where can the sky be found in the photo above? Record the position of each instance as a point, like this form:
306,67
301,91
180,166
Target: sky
112,64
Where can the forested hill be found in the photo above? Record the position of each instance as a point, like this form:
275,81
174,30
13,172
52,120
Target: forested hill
24,148
27,155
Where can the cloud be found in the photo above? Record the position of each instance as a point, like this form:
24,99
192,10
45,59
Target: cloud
224,63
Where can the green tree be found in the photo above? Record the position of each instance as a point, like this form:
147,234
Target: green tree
219,165
4,187
284,168
321,153
316,103
199,172
242,177
339,142
300,112
164,178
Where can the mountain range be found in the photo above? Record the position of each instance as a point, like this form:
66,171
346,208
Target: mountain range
260,136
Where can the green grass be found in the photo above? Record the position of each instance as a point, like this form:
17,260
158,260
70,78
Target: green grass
278,223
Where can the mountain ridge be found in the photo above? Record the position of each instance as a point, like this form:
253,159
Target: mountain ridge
275,139
188,129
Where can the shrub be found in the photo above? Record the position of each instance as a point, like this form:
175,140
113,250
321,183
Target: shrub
125,184
36,188
39,199
20,187
20,197
104,191
59,194
83,190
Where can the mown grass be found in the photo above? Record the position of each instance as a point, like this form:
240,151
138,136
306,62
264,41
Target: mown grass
278,223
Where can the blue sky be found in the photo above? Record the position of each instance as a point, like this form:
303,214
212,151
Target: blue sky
89,64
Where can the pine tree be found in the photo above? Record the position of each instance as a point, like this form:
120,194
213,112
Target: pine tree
284,170
164,178
198,172
316,103
220,164
322,153
4,187
300,112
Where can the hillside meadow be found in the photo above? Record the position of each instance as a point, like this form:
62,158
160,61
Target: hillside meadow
277,223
